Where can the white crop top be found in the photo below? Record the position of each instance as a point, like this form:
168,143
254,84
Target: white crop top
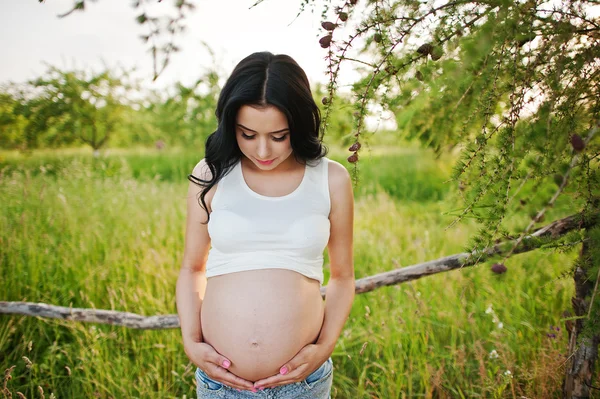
250,231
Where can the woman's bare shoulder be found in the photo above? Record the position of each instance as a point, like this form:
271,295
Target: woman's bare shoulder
202,171
339,176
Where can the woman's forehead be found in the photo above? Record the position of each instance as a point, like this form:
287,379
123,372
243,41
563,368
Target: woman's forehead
263,119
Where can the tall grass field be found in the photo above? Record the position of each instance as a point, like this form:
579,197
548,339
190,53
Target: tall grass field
107,232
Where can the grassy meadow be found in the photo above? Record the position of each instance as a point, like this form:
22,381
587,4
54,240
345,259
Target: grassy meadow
108,233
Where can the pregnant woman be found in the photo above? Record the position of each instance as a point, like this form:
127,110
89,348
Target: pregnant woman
262,207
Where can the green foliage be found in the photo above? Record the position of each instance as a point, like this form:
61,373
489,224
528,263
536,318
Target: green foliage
508,84
514,86
70,108
12,125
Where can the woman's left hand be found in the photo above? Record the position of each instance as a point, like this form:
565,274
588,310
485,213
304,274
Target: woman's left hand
307,360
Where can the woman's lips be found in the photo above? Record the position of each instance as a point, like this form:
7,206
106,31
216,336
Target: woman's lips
265,162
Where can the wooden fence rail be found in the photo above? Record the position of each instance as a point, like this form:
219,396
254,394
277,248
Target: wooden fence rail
366,284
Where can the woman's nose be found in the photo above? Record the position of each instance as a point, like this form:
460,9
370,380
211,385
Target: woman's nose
263,150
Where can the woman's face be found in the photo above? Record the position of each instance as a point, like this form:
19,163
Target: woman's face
263,134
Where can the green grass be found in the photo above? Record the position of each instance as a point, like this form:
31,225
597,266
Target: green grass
108,232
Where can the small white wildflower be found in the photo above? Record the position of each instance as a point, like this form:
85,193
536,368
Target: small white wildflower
500,325
495,320
489,309
507,372
493,354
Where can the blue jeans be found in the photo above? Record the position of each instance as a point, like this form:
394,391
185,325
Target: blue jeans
316,386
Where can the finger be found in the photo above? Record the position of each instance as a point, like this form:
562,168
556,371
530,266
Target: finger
279,379
225,377
233,380
220,360
287,368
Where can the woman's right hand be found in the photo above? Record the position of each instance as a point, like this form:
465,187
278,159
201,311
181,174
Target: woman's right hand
215,365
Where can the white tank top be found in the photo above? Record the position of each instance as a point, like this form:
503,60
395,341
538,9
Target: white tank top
250,231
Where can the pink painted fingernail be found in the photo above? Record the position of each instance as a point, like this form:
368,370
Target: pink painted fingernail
254,390
226,363
283,370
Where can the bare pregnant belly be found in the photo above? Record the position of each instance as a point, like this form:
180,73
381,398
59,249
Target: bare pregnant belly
260,319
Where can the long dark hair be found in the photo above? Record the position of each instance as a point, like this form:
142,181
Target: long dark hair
262,79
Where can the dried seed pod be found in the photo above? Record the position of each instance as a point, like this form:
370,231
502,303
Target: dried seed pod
328,25
353,158
354,147
377,38
577,143
419,76
325,41
499,268
325,100
353,2
343,16
425,49
436,53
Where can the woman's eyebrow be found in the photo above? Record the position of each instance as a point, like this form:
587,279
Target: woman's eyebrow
247,128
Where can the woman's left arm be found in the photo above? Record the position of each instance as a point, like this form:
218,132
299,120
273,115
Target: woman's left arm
340,288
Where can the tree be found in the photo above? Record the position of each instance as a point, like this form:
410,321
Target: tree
517,86
64,107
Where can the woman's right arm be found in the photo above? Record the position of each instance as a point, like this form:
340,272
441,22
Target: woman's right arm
191,286
191,283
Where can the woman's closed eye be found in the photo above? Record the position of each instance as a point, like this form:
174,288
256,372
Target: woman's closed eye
244,135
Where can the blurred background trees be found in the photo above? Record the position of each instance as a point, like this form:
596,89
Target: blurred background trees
67,108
